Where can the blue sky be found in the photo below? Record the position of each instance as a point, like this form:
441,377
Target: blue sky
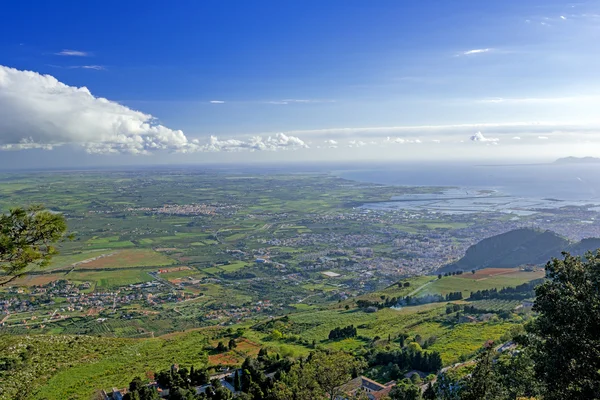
302,80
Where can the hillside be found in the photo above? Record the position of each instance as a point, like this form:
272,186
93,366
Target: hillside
515,248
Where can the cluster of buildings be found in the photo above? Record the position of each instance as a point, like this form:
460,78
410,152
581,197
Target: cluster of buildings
188,209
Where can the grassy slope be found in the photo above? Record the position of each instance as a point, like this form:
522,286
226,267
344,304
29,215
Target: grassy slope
74,367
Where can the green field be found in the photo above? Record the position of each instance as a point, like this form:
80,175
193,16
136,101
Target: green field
74,367
464,283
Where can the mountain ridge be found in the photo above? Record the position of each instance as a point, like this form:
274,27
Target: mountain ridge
523,246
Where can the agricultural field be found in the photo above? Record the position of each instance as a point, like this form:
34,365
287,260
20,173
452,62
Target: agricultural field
488,278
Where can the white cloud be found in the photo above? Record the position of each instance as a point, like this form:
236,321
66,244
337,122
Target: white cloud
563,17
73,53
543,137
38,111
217,102
478,137
271,143
356,143
475,51
401,140
94,67
332,144
436,141
516,138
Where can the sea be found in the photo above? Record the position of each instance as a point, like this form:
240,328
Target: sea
518,189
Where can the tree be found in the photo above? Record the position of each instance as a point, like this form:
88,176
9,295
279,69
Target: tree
429,393
237,381
517,377
178,393
298,384
395,372
440,276
232,344
221,348
415,378
483,383
27,239
136,384
333,370
564,338
405,390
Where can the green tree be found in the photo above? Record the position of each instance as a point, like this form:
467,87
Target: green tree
221,348
405,390
27,240
429,393
333,370
178,393
483,382
564,339
298,384
232,344
136,384
415,378
237,381
517,377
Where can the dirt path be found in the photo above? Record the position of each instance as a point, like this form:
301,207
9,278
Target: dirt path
419,288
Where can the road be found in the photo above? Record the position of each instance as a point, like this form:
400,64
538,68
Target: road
419,288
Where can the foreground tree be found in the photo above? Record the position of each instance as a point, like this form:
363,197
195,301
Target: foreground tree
298,384
405,390
565,339
27,239
333,370
483,383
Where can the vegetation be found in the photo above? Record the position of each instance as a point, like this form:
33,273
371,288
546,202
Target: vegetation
27,240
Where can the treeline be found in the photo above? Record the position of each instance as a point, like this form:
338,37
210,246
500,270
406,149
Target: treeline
454,296
409,358
520,292
440,276
342,333
387,302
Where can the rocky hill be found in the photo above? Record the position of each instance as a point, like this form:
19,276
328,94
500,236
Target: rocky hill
519,247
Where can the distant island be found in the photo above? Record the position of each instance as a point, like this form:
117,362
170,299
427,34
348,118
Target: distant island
578,160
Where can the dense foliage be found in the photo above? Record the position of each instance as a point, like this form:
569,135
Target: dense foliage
27,238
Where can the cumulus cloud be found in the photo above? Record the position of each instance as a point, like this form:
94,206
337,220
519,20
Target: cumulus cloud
516,138
256,143
38,111
72,53
217,102
478,137
543,137
332,144
356,143
401,140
